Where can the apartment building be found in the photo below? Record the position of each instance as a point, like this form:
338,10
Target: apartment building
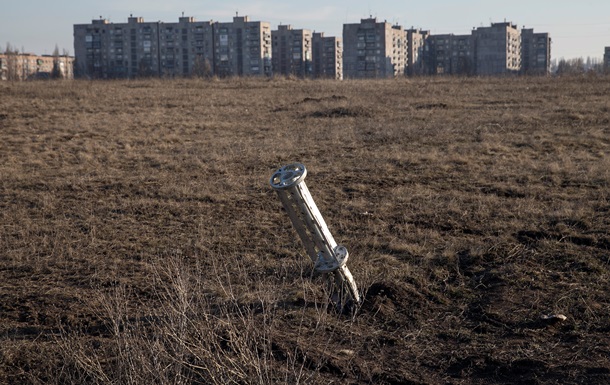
449,54
29,66
497,49
165,49
437,54
535,52
416,39
186,48
462,55
242,48
607,60
369,49
374,49
108,50
399,50
327,54
292,51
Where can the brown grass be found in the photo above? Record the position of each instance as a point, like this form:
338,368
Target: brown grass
141,243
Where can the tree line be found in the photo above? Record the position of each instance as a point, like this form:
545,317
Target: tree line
578,66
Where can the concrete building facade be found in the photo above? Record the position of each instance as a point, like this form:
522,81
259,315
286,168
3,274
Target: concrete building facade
186,48
463,55
416,40
327,54
449,54
500,49
437,54
242,48
136,48
27,66
369,49
497,49
535,52
292,51
181,49
374,49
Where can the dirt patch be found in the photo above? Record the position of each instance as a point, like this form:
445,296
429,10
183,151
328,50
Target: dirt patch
341,112
332,98
431,106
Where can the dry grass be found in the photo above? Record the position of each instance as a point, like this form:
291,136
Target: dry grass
141,242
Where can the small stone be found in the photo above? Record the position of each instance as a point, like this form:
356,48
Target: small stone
346,352
552,318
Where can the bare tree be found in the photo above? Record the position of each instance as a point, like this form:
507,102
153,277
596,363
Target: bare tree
202,67
571,66
12,62
57,72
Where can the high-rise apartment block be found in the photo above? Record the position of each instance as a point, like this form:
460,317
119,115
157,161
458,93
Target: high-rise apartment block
437,54
242,48
535,52
138,48
373,49
292,51
188,47
327,53
416,40
497,49
449,54
166,49
607,60
369,49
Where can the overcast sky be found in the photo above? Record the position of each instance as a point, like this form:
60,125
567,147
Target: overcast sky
578,28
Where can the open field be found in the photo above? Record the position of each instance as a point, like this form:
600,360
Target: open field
140,241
